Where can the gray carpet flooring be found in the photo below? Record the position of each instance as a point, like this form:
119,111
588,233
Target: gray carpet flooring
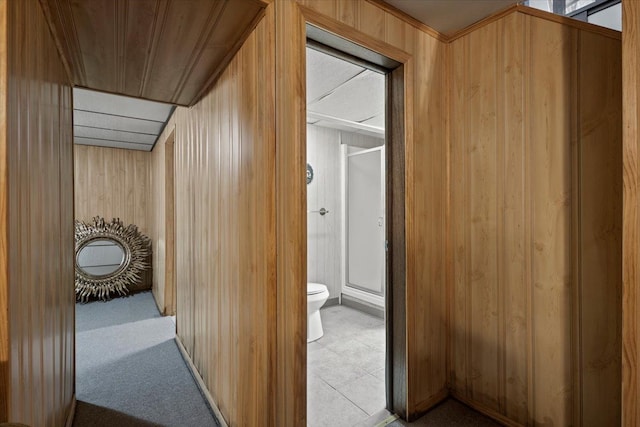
129,371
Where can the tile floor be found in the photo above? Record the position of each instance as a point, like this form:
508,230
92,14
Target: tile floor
345,369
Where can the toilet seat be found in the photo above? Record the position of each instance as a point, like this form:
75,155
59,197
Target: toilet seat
315,288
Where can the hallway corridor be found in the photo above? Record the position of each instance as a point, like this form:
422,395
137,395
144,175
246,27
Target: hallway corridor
129,371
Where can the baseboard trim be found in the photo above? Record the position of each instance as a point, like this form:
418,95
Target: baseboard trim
496,416
363,306
332,301
425,406
72,412
201,385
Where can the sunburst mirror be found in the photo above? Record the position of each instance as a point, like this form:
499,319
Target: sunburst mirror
110,258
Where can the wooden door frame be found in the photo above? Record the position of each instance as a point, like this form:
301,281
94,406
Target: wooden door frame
291,240
170,290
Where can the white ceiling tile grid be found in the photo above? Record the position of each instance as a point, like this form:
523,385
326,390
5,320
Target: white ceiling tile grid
343,95
116,121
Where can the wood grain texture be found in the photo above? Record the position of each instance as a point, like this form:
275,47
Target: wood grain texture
600,131
290,403
156,49
36,207
225,259
396,261
5,343
113,183
162,224
536,269
630,226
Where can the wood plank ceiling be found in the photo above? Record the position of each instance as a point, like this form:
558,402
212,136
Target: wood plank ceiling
161,50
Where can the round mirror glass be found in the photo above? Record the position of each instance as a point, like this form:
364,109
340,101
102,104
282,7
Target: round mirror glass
100,258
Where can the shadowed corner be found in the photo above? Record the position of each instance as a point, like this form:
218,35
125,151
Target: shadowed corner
4,373
88,414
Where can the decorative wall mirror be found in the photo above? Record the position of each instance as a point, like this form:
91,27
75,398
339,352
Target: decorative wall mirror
309,174
110,258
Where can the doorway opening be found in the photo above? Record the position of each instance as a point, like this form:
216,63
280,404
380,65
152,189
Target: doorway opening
355,211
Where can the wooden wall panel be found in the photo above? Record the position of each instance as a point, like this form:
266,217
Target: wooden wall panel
5,343
225,232
631,199
536,262
600,130
291,230
37,223
162,224
113,183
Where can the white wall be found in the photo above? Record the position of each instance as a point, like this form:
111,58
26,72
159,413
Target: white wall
323,232
324,249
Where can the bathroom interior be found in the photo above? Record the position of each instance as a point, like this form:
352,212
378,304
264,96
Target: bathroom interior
345,239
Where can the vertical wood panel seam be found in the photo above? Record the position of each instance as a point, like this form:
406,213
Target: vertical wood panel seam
159,20
500,202
529,220
467,237
73,33
215,14
450,281
5,332
576,228
631,252
120,22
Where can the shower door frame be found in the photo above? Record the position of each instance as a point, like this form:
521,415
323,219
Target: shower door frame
371,297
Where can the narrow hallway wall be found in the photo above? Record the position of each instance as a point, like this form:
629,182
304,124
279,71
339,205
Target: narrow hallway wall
162,227
225,232
37,299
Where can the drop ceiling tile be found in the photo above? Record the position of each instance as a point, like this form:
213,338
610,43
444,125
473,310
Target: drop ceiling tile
105,121
89,100
449,16
377,121
325,73
359,99
112,144
115,135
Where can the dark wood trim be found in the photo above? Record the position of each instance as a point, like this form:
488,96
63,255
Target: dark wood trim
396,283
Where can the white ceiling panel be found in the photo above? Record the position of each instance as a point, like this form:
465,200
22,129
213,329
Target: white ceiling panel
112,144
449,16
325,73
106,121
377,121
358,99
116,121
115,135
89,100
345,127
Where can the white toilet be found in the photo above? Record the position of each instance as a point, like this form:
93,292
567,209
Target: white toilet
317,295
